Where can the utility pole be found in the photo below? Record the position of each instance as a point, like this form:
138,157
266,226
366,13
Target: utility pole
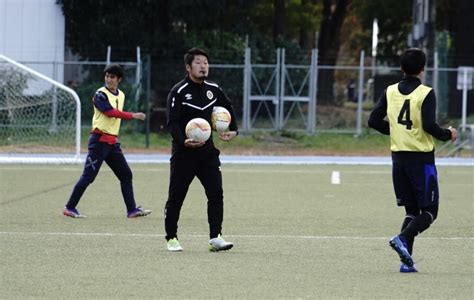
423,32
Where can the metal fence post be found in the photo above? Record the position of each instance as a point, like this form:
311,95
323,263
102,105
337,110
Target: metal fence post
246,96
279,105
148,100
278,74
138,76
464,99
361,94
109,51
313,86
435,77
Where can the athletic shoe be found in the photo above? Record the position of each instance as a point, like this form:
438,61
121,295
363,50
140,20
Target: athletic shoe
219,244
173,245
138,212
406,269
72,212
400,247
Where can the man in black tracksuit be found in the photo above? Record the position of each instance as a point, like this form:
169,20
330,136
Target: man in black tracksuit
195,97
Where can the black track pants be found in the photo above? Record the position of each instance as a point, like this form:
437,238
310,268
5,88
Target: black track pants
183,168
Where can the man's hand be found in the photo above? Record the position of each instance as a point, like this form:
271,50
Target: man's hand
190,143
454,133
227,135
139,116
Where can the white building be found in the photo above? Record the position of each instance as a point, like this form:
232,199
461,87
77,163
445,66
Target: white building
33,32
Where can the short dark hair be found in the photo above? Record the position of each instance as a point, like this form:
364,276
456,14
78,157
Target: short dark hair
114,69
189,56
413,61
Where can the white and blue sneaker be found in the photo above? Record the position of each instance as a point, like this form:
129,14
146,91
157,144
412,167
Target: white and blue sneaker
72,212
138,212
400,246
406,269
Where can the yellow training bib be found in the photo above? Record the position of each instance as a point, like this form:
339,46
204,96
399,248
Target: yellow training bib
404,116
104,123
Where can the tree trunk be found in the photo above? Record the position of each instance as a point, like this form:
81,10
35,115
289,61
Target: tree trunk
164,16
461,28
307,36
328,46
279,20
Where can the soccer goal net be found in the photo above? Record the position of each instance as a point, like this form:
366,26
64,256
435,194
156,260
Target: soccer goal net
37,114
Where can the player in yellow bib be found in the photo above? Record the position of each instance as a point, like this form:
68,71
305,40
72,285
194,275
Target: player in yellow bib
103,145
410,108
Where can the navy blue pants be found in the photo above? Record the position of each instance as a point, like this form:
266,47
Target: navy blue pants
183,168
416,188
415,184
114,158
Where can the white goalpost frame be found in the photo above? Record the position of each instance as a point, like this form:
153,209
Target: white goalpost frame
60,86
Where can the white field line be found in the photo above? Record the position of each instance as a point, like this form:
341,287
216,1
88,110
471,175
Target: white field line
308,237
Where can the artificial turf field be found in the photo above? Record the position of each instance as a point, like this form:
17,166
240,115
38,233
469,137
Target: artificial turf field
296,235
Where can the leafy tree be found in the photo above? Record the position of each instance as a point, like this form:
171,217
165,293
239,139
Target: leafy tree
394,18
160,27
455,18
308,16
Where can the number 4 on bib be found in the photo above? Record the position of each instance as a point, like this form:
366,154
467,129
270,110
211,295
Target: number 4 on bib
404,115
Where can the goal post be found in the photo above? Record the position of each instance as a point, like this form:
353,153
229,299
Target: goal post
37,114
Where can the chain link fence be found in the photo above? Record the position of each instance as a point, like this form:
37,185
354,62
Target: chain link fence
273,90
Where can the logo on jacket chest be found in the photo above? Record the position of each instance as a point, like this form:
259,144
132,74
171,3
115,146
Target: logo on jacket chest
188,96
209,95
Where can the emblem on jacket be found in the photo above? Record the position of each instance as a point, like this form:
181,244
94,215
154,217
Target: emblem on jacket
209,95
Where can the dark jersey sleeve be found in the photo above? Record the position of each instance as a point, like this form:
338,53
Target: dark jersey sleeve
428,118
377,116
173,116
101,102
224,101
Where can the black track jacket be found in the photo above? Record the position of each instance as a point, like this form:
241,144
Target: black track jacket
188,100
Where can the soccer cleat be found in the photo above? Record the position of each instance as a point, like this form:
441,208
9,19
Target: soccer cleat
173,245
219,244
138,212
406,269
72,212
400,247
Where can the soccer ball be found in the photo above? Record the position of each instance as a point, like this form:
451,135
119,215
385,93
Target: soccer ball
220,119
198,129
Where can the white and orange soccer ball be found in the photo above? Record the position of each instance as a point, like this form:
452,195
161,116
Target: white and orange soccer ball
220,119
198,129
